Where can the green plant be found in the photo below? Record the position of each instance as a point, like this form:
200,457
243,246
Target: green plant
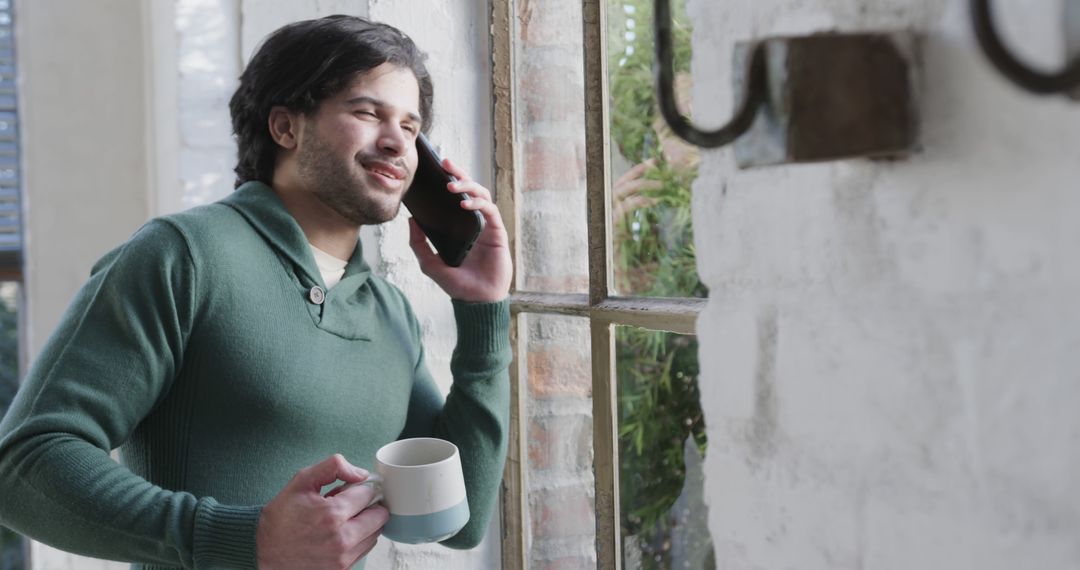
9,354
659,402
11,545
633,103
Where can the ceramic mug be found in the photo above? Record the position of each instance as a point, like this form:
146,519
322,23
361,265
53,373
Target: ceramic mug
419,481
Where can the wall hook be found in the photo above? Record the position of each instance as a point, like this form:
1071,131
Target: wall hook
753,97
1034,81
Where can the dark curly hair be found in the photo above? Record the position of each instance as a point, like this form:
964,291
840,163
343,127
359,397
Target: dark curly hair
300,65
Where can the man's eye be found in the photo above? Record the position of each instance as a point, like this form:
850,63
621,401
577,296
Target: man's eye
409,128
366,113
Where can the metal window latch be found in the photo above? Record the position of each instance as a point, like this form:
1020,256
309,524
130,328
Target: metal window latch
806,99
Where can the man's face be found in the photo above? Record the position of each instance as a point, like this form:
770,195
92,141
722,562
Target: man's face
357,154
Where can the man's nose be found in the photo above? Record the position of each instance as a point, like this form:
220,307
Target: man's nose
392,141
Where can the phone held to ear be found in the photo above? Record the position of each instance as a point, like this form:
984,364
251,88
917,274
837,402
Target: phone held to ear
450,228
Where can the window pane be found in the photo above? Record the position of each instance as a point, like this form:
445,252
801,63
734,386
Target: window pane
11,544
559,451
662,446
651,169
550,139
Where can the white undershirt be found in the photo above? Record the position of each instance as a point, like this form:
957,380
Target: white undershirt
330,267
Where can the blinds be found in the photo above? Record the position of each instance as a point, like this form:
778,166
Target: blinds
10,204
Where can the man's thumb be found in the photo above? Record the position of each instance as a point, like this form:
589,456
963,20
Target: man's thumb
428,259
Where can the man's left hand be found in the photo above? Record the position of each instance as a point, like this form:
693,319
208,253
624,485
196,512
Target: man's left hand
484,275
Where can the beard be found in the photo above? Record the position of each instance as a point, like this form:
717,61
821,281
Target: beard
341,187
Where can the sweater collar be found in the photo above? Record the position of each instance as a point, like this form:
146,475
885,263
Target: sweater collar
264,210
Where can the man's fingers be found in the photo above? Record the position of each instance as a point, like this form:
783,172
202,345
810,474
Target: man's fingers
492,218
364,548
368,522
356,497
640,168
365,530
470,189
630,188
327,471
418,242
464,184
455,170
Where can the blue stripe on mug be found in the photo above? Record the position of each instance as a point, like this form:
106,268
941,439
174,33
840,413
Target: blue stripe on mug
432,527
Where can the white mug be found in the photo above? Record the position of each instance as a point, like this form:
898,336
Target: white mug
419,481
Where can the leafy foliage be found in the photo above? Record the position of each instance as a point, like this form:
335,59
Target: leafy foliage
659,408
655,252
658,394
11,548
9,355
633,101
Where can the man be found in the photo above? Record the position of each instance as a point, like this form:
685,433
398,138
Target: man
242,355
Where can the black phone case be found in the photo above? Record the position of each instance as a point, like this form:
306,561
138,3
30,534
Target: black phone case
437,210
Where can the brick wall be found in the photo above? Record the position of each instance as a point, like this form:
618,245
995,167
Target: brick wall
551,139
550,135
559,444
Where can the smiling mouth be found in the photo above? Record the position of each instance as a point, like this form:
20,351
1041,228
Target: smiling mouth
383,174
389,180
386,171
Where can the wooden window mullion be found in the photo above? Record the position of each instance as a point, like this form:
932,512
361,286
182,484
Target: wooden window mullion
598,173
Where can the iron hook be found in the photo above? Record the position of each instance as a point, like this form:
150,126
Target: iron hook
665,88
1023,76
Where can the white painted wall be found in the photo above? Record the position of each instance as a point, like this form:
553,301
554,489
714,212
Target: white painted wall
207,63
84,143
87,152
890,348
127,102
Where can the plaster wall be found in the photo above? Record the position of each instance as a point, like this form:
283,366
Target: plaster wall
86,150
82,138
889,350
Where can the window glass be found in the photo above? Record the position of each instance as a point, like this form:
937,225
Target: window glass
662,446
559,436
651,169
550,139
12,551
661,430
11,544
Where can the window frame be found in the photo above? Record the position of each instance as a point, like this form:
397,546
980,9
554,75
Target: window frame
11,255
600,305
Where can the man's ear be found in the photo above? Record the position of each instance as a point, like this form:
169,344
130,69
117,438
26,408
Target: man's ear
284,126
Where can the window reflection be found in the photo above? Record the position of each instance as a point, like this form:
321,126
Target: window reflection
662,445
11,544
652,169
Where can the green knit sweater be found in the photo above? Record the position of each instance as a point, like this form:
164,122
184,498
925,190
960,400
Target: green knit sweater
196,348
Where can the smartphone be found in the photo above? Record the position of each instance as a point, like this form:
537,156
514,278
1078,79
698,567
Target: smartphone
450,228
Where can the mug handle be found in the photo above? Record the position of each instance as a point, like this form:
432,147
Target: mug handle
374,480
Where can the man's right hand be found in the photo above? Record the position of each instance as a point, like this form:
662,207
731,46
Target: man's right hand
300,528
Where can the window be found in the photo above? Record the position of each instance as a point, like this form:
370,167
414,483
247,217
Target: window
607,431
11,544
10,207
12,547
